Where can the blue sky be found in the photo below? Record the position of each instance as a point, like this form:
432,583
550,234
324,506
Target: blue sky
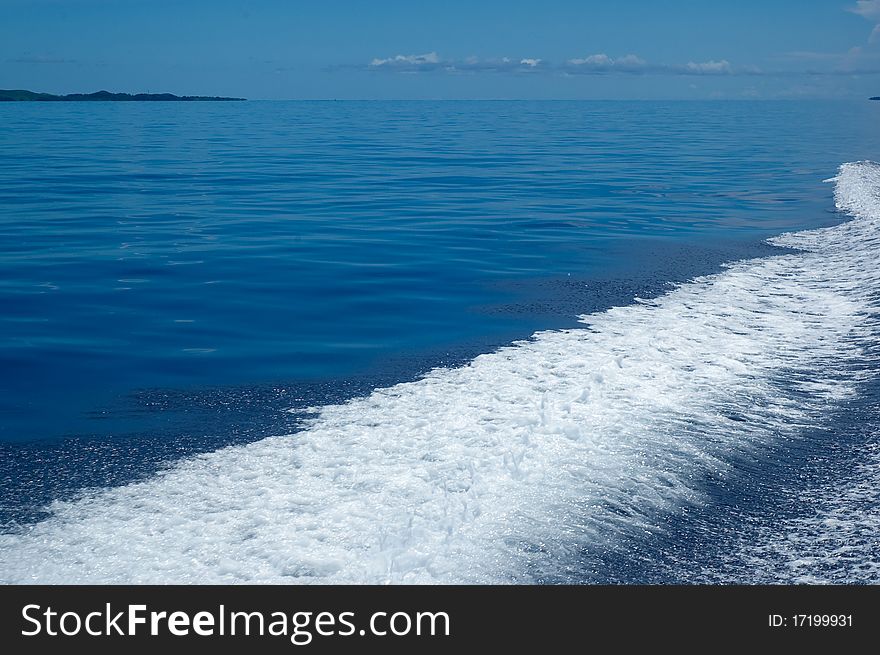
445,49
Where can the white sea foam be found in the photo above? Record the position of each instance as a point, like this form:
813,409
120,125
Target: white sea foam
507,468
833,539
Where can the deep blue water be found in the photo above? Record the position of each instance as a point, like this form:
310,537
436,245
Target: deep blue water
175,277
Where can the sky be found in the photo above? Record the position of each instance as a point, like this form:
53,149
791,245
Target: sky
445,49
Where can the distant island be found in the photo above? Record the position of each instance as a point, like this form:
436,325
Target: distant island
104,96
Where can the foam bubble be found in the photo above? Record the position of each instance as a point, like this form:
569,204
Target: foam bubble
833,536
505,469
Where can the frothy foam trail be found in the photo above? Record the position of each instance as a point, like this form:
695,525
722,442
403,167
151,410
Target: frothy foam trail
835,541
508,468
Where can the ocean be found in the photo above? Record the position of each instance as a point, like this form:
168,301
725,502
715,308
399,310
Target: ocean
421,342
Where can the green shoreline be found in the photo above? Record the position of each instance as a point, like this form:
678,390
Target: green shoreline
20,95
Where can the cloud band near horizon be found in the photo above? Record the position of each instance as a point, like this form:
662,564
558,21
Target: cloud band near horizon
595,64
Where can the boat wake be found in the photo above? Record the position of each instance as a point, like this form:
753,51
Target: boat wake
508,468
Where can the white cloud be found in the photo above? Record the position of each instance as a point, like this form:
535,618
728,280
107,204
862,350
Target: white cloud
593,60
856,61
870,9
429,59
595,64
630,60
709,67
603,63
503,65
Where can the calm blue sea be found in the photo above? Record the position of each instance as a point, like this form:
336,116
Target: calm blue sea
180,277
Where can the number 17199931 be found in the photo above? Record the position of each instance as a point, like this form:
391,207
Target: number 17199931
810,621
